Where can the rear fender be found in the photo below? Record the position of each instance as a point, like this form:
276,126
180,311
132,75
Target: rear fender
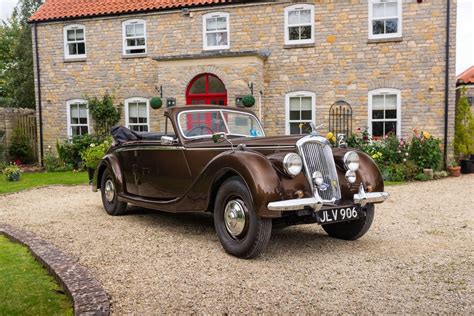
109,161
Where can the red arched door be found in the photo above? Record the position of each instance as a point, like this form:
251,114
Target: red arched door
206,89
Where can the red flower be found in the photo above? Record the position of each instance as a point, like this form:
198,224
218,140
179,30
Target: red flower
18,162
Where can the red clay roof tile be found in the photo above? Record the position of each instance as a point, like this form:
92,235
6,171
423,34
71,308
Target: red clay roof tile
467,76
66,9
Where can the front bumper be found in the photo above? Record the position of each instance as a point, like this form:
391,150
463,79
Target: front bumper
316,203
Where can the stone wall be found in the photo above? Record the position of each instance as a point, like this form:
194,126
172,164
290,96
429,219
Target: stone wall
342,64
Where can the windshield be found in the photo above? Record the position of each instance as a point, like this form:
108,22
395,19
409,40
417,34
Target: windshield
204,123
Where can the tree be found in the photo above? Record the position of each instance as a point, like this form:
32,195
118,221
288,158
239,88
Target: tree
464,127
16,57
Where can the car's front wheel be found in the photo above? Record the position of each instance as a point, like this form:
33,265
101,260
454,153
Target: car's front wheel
352,230
241,231
108,190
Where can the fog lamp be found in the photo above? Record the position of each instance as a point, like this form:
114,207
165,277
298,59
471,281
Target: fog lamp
351,176
318,178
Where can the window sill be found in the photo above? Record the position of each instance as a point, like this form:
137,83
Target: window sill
385,40
135,56
290,46
75,60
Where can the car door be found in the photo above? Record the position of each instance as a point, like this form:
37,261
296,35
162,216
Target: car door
127,156
165,174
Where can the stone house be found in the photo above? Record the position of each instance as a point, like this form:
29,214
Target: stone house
388,63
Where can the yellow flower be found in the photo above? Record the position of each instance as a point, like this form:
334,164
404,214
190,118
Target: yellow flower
333,139
329,135
426,135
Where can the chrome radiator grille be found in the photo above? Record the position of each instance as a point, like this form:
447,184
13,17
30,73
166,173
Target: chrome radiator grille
317,156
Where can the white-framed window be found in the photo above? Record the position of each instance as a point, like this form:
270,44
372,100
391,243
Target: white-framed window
137,114
384,112
299,24
215,31
77,117
385,18
134,37
74,41
300,112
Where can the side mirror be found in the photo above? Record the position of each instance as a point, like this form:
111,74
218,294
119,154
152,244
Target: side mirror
167,140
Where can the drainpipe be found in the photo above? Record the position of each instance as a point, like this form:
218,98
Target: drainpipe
40,109
446,84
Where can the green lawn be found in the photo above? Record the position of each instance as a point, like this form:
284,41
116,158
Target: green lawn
38,179
25,286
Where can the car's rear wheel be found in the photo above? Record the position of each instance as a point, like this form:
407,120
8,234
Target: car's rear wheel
352,230
241,231
108,190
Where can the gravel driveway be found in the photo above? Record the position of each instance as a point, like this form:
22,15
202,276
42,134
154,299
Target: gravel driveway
417,257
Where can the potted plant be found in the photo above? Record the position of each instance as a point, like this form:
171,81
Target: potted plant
92,157
12,172
454,169
464,134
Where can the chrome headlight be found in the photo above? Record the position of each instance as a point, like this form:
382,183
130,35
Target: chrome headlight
292,164
351,176
351,160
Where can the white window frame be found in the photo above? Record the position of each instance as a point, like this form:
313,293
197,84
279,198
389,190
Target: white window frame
133,100
286,31
66,46
69,125
399,107
124,37
287,108
399,17
204,32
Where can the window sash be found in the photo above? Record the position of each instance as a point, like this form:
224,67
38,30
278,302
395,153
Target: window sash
78,111
138,115
71,45
300,25
383,18
214,26
385,101
131,49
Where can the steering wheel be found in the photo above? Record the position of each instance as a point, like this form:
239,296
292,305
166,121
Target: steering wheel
192,132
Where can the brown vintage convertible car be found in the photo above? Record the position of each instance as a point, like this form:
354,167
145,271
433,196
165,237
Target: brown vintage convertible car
217,159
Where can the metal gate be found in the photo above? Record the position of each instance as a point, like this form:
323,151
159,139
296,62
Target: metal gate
340,118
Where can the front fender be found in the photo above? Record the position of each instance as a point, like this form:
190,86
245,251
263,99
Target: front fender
255,170
109,161
368,174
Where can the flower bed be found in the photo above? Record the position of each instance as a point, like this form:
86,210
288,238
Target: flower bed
400,159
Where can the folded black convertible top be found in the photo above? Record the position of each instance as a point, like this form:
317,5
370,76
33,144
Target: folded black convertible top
121,135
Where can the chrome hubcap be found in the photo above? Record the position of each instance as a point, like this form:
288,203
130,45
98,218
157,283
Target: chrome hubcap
109,191
234,217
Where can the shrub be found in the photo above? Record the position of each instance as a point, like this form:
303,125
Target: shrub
20,148
53,163
425,152
421,177
104,114
94,154
70,151
464,128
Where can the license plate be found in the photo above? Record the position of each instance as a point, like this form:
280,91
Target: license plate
338,215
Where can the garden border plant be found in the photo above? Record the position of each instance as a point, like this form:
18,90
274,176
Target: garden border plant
464,134
400,160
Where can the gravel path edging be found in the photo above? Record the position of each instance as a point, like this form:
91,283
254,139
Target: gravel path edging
87,294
